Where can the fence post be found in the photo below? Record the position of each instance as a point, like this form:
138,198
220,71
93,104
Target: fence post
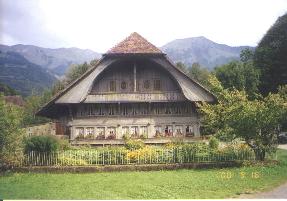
103,157
33,160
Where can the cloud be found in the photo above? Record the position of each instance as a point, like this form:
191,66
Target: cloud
100,24
23,22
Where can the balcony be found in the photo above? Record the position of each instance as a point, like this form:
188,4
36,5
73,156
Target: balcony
135,97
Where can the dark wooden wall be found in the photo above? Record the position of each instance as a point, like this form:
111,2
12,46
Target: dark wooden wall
146,72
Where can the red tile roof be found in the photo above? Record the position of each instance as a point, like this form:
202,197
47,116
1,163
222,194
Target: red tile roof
134,44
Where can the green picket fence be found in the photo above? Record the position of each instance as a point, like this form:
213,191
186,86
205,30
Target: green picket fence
125,157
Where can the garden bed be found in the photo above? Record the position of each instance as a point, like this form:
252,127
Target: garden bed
134,167
136,153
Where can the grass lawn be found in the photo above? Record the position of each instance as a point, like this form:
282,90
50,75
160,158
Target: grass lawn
178,184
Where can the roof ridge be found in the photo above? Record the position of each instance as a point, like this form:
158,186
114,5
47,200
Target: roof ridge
134,44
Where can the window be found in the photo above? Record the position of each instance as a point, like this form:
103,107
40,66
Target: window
90,131
168,130
144,109
178,130
111,133
90,110
80,131
167,109
101,130
143,130
123,85
134,109
189,129
125,130
81,110
112,85
157,108
146,84
177,109
134,130
186,108
111,130
157,85
100,133
189,132
101,110
111,110
157,129
125,110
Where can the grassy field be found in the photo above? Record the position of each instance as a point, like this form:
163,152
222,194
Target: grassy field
179,184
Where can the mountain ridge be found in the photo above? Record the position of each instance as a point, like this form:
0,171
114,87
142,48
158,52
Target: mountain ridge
53,62
56,60
203,51
23,76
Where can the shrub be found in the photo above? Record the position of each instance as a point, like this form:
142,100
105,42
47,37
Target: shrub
89,136
80,136
43,143
100,137
170,145
144,136
194,147
134,144
67,161
126,136
213,143
138,155
176,142
64,144
11,134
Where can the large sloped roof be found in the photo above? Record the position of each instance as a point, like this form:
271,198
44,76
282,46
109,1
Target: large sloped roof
78,91
134,44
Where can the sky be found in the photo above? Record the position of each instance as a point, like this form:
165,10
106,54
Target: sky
100,25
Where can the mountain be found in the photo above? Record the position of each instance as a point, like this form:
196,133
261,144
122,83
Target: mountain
23,76
188,51
28,68
55,60
201,50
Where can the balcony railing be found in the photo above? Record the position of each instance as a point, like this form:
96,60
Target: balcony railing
132,97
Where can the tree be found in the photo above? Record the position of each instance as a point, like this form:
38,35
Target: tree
239,75
270,57
32,104
282,90
11,134
58,86
182,67
235,116
258,123
199,73
246,55
196,72
75,71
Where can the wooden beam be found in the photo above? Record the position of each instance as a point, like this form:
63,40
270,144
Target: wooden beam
135,77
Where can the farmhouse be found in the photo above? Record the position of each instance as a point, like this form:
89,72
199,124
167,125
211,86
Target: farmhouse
133,91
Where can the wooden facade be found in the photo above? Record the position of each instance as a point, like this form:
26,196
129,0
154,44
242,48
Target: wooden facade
134,91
